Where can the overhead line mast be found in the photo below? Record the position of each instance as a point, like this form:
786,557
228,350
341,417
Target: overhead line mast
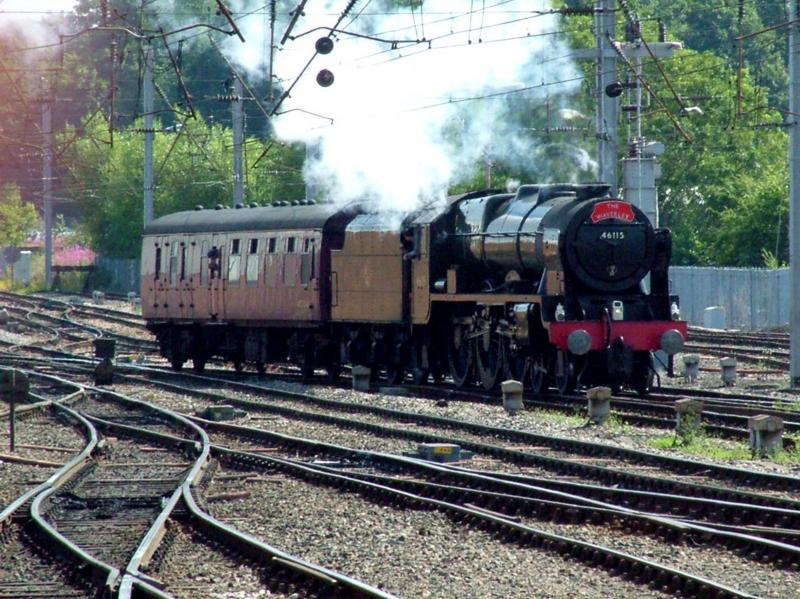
793,120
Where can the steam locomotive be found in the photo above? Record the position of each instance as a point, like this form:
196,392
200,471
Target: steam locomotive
548,284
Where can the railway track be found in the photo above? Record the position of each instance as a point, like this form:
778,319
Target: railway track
109,510
593,506
619,564
63,328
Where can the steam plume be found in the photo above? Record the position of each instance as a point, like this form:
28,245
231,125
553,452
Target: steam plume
401,132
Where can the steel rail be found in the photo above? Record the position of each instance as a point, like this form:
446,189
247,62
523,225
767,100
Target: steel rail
539,489
641,570
679,465
237,540
104,575
774,542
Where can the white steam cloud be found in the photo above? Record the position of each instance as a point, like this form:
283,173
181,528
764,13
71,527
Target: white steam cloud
400,134
35,21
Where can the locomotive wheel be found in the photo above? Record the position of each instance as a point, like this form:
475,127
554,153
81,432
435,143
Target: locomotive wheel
642,377
459,355
489,359
538,375
419,376
565,374
513,364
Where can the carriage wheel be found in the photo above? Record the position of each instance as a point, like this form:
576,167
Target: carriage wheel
489,359
459,355
419,373
176,361
199,363
261,367
395,366
332,371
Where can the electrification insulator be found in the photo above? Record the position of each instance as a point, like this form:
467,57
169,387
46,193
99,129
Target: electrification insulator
325,78
324,45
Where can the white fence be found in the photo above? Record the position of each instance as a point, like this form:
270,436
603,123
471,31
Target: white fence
753,298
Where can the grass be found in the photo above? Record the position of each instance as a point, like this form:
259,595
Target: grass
702,445
576,418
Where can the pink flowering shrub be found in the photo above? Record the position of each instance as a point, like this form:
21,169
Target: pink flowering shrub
75,255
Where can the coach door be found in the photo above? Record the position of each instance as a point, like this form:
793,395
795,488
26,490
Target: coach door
215,269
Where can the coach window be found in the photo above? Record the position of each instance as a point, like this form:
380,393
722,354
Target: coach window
252,262
234,262
183,262
158,263
273,245
290,243
203,262
307,261
173,265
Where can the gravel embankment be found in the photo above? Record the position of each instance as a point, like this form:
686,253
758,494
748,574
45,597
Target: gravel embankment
24,569
407,552
38,438
535,421
191,568
721,566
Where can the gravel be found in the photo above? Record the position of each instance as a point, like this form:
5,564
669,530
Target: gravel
720,566
535,421
192,568
16,479
22,565
409,553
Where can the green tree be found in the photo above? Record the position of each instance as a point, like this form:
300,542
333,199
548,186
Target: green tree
193,166
724,192
17,218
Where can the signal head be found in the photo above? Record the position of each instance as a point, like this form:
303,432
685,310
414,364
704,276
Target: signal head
324,45
325,78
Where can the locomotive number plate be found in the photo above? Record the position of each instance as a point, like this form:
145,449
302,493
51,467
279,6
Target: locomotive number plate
443,449
612,235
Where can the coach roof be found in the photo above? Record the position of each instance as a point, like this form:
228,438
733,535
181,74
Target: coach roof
267,218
